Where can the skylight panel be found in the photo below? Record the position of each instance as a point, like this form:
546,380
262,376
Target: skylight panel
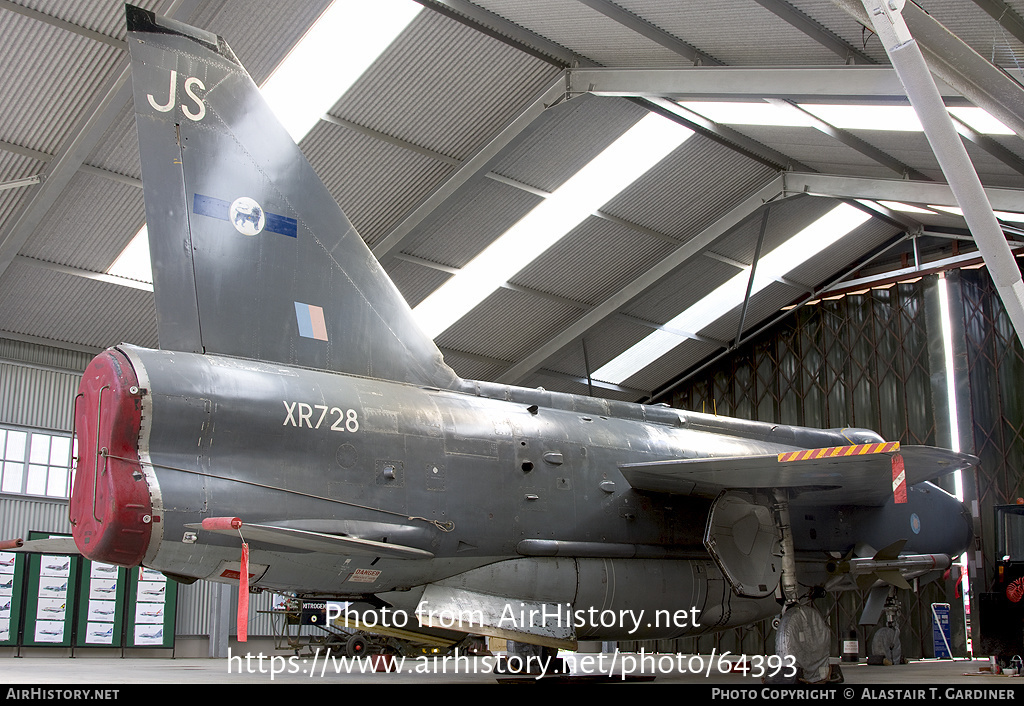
619,165
345,40
786,257
134,262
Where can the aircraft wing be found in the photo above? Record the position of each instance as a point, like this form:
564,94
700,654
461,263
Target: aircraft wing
863,474
49,545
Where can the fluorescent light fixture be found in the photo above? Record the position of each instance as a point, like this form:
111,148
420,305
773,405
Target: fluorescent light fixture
1001,215
905,207
801,247
330,57
777,113
618,166
867,117
981,121
947,350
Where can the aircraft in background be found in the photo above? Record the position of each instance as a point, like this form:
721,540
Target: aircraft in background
295,404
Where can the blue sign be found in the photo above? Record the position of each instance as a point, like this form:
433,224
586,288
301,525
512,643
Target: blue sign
940,631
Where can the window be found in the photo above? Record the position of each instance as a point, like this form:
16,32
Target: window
35,463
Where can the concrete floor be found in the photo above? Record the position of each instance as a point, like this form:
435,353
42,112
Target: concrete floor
672,669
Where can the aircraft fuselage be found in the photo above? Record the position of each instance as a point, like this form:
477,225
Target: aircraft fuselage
485,476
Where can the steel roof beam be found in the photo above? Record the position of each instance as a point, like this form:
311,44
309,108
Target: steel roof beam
806,299
958,65
819,33
693,247
653,32
847,187
63,167
834,83
1005,15
476,166
494,25
63,24
87,133
855,143
723,134
85,274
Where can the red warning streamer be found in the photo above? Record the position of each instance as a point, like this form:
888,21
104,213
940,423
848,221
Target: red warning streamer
243,596
899,480
233,523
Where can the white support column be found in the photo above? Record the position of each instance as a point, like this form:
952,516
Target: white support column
907,59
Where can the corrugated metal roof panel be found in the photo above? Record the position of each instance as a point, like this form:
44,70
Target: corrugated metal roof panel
118,150
260,33
90,226
689,189
13,167
376,183
666,368
785,219
471,367
584,31
591,262
415,282
104,17
979,30
566,138
735,32
62,307
814,148
444,86
47,79
687,285
470,221
842,24
507,324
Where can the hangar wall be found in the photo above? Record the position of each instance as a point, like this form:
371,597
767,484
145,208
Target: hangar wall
860,360
38,385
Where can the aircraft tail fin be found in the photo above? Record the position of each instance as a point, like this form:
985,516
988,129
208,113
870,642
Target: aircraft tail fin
252,257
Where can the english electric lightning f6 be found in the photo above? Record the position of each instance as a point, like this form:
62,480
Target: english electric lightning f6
295,404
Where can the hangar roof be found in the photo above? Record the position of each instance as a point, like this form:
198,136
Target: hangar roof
480,111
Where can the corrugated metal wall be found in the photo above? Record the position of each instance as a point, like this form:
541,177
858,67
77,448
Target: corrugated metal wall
38,385
19,515
990,375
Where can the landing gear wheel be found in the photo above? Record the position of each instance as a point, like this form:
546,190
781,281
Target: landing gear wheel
356,646
804,635
886,647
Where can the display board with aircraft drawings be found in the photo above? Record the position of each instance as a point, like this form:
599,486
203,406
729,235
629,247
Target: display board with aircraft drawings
53,600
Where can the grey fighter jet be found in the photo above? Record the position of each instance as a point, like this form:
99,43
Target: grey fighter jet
294,404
